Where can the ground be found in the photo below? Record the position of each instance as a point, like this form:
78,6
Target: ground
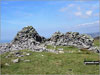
51,63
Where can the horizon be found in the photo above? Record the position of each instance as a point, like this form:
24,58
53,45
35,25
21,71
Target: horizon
48,17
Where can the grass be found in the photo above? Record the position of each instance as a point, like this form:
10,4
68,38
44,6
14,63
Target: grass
51,63
96,42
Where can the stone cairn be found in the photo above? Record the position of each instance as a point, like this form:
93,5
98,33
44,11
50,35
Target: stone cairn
28,38
81,41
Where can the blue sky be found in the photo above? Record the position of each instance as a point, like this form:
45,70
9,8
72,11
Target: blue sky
48,17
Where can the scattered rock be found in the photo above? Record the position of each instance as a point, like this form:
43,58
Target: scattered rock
28,38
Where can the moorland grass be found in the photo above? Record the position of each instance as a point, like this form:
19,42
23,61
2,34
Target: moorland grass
51,63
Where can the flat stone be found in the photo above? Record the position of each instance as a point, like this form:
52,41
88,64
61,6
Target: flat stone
6,64
26,60
15,60
27,54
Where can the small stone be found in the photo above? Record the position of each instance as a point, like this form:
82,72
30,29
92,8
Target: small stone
28,54
15,60
26,60
6,56
7,64
21,56
61,51
42,55
17,53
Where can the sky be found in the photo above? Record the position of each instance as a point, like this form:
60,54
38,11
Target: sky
48,17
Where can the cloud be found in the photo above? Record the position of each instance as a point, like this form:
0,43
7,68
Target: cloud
63,9
81,10
89,13
88,24
86,27
66,7
78,13
84,14
71,5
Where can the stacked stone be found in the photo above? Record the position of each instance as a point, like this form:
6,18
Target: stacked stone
28,38
82,41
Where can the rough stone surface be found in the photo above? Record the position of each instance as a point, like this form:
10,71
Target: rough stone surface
71,39
6,64
28,38
15,60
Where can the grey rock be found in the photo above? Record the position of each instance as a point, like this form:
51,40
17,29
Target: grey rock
71,39
15,60
27,54
96,49
6,64
26,60
28,38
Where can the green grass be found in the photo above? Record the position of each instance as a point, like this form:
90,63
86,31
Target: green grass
96,42
51,63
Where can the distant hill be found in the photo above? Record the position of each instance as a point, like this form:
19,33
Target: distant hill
96,34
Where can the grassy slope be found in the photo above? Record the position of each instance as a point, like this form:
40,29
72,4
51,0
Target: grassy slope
50,63
96,42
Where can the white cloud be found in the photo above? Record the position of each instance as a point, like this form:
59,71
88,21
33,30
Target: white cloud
66,7
82,11
71,5
84,14
88,24
89,13
63,9
78,13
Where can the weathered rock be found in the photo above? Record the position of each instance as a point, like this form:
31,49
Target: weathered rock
96,49
5,47
15,60
28,38
27,54
61,52
6,64
71,39
26,60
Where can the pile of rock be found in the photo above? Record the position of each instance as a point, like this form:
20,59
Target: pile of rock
72,39
28,38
